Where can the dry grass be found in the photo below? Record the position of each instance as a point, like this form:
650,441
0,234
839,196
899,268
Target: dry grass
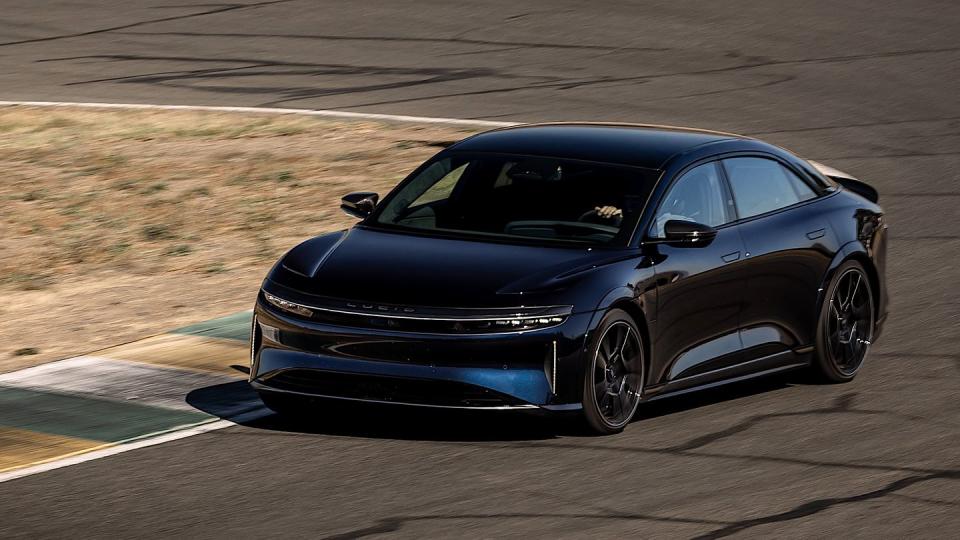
120,224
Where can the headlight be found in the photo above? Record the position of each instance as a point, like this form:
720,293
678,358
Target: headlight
288,306
528,323
407,319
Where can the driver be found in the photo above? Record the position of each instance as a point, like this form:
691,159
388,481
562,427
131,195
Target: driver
609,212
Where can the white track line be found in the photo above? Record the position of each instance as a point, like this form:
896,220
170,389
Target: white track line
268,110
118,380
132,444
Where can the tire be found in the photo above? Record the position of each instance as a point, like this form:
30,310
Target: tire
618,374
845,326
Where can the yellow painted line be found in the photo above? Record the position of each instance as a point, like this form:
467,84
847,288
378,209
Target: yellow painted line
107,450
186,352
23,448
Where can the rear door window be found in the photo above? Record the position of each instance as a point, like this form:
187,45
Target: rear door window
762,185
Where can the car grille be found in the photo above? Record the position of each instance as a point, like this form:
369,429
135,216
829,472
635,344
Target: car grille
387,389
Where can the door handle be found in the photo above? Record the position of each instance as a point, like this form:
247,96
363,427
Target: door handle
730,257
813,235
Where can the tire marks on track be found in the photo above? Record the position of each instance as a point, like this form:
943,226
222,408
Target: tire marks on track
223,9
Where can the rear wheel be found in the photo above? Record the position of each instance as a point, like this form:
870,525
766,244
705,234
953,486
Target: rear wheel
845,329
614,376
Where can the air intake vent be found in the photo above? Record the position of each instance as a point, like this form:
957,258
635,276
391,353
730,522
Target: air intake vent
387,389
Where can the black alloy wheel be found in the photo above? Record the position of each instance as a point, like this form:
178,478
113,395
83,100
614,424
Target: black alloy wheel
846,324
613,382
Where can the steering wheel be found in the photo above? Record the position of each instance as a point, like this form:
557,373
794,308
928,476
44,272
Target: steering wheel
592,216
682,210
588,213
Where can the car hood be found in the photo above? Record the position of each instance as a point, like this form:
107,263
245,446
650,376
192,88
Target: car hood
378,266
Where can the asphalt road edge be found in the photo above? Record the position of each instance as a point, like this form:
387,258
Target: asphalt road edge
133,444
326,113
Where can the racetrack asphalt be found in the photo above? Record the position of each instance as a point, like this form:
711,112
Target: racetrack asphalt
869,87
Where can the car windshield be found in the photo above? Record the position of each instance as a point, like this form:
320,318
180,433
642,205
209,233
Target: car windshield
521,197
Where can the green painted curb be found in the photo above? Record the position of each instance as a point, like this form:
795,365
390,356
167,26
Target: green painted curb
236,326
86,417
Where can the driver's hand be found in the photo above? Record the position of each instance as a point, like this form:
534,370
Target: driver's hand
608,212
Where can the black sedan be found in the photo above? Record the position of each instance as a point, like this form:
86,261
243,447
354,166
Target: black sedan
578,267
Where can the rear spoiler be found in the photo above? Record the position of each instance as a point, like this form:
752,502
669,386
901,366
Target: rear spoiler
848,181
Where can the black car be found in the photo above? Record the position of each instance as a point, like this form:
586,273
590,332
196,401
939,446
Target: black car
578,267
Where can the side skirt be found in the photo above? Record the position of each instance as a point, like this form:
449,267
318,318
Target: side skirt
760,367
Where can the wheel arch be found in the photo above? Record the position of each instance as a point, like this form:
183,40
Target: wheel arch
632,306
873,277
853,251
639,318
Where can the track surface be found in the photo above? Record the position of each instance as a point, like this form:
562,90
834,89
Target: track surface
869,87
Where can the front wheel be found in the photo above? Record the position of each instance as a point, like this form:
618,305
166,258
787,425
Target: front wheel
845,328
614,376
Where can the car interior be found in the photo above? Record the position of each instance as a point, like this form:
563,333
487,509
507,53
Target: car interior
697,196
530,197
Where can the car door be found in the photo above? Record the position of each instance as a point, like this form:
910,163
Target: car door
699,289
789,246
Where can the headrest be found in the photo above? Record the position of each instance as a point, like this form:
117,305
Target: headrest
533,170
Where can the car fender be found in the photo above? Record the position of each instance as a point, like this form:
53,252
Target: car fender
851,249
623,294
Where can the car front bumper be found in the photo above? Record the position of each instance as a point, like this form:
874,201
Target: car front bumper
504,370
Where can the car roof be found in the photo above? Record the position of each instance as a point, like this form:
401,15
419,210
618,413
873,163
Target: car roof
638,145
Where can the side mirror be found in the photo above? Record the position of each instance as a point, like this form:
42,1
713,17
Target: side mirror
359,204
688,233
